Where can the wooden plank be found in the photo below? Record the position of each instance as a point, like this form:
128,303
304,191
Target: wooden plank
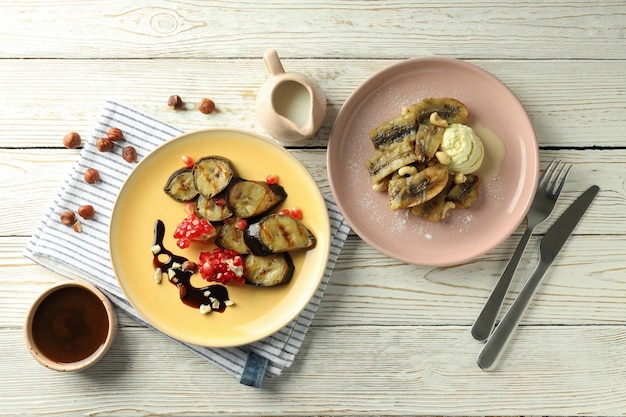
341,370
571,103
586,285
117,29
30,170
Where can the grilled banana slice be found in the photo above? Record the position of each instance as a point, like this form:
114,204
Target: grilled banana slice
427,142
409,191
391,157
435,209
275,233
180,186
465,194
394,130
449,109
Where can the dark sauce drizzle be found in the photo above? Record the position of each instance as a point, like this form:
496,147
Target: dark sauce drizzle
211,295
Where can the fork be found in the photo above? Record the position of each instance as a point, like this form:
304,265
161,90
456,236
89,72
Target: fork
550,185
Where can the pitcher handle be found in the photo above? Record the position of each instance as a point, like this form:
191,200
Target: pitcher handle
272,62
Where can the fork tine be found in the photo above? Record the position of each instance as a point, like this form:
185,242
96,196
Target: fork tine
562,181
548,175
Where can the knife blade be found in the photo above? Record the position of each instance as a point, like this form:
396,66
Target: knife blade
550,245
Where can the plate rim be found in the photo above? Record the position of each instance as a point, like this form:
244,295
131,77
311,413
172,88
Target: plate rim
383,74
318,196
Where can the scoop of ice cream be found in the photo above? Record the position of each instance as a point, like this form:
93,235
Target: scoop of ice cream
464,148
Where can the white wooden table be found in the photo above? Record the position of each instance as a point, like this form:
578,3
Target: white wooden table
566,62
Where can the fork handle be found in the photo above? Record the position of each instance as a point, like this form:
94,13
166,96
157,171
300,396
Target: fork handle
483,325
494,348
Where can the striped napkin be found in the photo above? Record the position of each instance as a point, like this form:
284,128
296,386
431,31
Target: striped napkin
85,256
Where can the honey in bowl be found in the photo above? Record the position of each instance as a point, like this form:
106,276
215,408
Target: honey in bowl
70,326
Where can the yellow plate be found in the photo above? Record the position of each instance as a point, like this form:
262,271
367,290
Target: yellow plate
258,312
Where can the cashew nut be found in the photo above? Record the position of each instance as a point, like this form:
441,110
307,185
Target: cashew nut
381,186
407,171
405,110
460,178
446,207
436,120
443,158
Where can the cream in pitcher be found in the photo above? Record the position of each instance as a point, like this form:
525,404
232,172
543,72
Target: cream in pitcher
290,106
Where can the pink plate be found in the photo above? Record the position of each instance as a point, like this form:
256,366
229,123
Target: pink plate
509,179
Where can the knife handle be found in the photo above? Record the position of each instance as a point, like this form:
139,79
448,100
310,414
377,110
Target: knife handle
483,325
494,348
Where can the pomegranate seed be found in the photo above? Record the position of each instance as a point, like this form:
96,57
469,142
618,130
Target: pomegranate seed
296,212
271,179
187,161
190,208
220,201
193,228
222,265
285,212
241,224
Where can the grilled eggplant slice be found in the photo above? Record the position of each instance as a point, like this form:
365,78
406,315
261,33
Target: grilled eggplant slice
393,130
409,191
449,109
465,194
180,186
389,158
275,233
211,209
231,237
248,199
269,270
212,174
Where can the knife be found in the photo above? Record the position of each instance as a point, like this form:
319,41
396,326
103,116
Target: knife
550,245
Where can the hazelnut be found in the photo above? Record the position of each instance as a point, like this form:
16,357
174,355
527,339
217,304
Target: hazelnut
174,102
92,175
115,134
189,266
105,145
129,153
71,140
78,228
207,106
68,218
87,211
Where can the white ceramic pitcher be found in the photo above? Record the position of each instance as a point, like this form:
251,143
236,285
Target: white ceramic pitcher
290,106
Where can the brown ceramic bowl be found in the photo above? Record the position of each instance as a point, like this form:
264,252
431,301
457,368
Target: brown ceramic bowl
70,326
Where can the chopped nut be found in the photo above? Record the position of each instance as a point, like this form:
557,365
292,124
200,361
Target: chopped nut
381,186
158,275
71,140
92,175
215,303
129,153
78,228
155,249
229,303
174,102
115,134
460,178
207,106
205,309
105,145
176,265
207,293
446,207
171,274
68,218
